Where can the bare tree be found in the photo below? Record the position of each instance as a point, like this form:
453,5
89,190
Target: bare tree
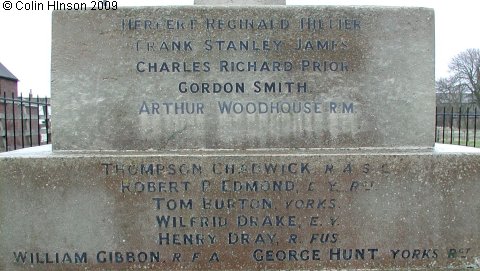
449,92
464,79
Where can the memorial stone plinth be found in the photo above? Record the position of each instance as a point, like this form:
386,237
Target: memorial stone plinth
299,210
243,77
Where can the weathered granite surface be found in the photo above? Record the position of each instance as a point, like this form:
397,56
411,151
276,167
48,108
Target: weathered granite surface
162,78
296,210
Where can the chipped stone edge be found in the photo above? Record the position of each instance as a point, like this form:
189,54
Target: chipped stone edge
438,149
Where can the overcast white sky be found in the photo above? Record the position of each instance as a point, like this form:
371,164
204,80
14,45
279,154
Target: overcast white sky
26,35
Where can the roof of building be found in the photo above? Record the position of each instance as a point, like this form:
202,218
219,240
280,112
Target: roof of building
5,73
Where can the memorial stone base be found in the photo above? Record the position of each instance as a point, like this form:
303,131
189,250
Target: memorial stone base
222,210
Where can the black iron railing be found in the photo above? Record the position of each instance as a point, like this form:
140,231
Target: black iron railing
457,126
24,122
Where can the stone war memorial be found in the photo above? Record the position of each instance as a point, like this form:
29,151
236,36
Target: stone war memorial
242,137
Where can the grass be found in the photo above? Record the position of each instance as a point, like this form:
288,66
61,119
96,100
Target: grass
463,137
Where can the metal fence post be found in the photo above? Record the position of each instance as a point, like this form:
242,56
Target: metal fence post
39,136
5,119
47,120
443,128
22,120
451,127
475,129
30,118
13,121
459,124
468,119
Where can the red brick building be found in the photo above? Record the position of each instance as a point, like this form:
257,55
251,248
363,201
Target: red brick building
8,83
